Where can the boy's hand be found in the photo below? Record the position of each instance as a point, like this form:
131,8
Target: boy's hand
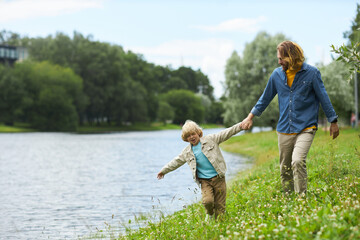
160,175
247,122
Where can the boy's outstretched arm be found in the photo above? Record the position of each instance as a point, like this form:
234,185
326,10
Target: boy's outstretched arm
227,133
171,166
160,175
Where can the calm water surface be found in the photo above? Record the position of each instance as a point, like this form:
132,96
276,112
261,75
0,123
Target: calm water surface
62,186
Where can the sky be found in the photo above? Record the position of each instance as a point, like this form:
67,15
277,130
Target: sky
201,34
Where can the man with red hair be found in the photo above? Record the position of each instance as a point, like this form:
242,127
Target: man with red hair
300,90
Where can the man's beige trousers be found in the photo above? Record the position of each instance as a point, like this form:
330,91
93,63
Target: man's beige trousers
293,150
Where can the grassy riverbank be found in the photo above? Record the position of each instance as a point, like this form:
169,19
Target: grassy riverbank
105,128
257,209
18,127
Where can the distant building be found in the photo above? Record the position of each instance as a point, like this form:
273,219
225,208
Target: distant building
10,54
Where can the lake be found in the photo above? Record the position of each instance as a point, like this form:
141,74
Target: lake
63,186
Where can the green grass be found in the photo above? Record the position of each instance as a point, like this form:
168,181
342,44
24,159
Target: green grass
256,207
18,127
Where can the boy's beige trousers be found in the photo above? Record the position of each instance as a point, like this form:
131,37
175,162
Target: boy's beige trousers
293,150
213,193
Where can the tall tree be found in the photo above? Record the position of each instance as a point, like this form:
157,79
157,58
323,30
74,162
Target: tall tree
175,83
354,34
186,105
11,96
165,112
246,79
144,73
339,90
234,110
100,65
196,81
48,89
10,38
350,55
54,111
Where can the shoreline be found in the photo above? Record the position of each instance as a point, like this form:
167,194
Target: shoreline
155,126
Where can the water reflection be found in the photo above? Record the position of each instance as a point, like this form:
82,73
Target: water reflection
58,186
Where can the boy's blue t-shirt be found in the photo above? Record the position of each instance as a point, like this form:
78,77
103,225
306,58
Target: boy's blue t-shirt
203,166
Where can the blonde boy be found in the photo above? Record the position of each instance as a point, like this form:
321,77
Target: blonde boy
206,164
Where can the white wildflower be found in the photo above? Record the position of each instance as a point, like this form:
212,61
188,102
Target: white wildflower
263,225
281,227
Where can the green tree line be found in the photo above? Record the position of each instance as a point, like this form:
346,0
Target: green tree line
75,80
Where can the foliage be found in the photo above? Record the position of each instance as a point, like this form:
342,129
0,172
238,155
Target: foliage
234,112
175,83
246,79
215,114
44,95
196,81
257,209
165,112
51,95
11,96
354,34
105,68
54,111
334,76
10,38
118,86
349,55
206,103
186,106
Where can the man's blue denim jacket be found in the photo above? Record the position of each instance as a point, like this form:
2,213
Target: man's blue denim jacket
298,105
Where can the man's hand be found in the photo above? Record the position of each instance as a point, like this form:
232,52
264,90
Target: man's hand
334,130
247,122
160,175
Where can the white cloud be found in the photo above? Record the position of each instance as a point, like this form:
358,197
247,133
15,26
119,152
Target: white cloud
25,9
249,25
208,55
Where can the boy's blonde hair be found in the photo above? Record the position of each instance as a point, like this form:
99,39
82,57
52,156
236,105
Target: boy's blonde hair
292,53
190,127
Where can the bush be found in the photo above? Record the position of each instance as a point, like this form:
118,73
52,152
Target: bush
54,111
